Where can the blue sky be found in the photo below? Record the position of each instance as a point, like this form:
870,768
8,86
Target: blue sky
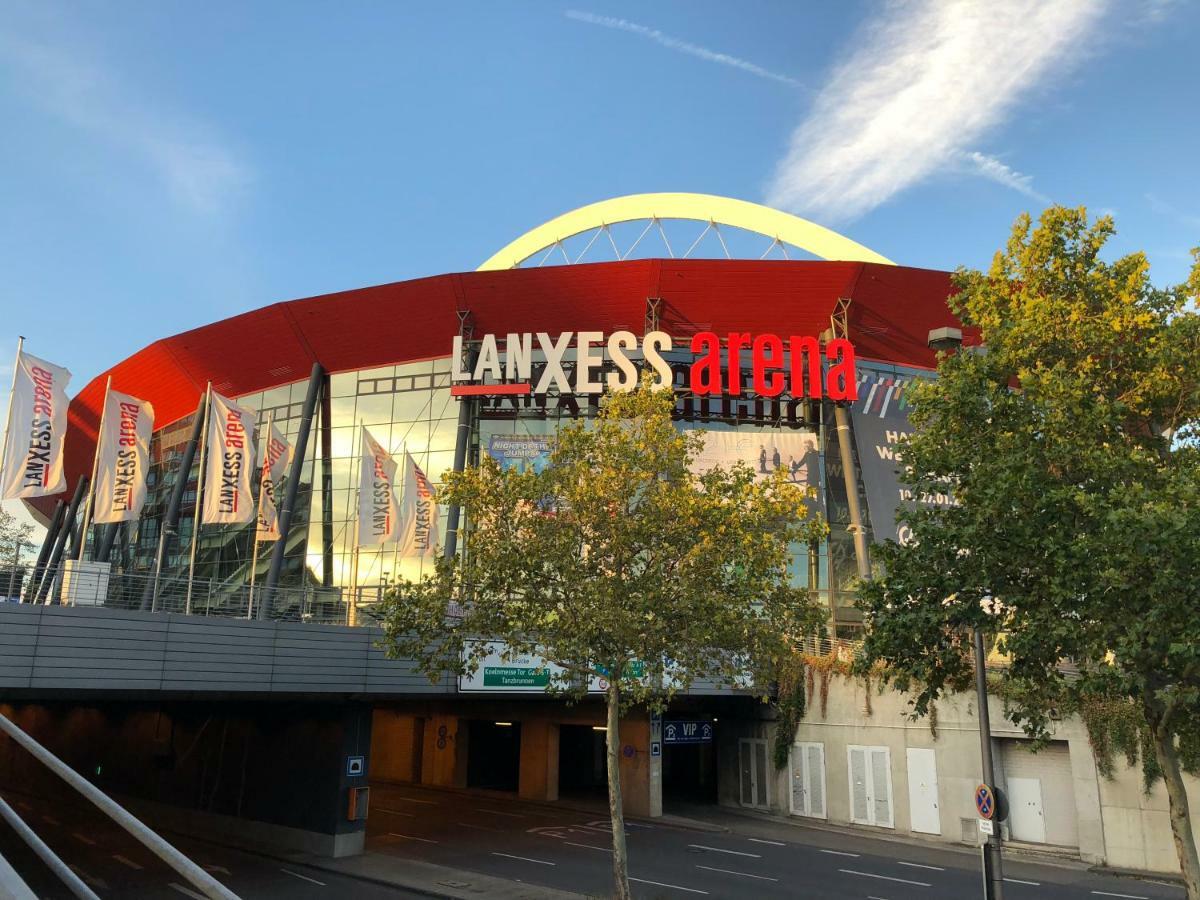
165,164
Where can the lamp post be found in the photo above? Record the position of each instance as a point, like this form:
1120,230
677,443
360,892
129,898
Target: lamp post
948,340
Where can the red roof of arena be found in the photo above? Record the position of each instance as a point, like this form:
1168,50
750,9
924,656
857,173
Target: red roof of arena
893,309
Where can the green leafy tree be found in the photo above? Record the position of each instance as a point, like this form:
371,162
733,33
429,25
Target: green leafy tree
14,542
617,563
1070,444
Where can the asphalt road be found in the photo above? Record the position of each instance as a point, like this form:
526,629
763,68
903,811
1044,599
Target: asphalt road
570,850
114,864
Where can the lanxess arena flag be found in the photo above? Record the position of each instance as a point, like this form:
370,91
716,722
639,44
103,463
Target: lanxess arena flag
274,457
418,514
378,500
124,457
37,424
230,464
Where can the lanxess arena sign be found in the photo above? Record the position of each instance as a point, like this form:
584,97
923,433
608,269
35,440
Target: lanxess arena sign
766,365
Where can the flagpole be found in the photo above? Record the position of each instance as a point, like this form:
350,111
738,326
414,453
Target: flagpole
352,609
12,392
258,511
89,510
396,543
187,607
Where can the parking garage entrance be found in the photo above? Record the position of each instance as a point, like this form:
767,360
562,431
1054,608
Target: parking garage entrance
582,765
493,755
689,768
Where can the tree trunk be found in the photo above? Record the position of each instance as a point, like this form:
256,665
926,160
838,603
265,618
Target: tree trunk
615,811
1181,820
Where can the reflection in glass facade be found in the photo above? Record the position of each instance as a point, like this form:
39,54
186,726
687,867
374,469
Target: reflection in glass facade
409,407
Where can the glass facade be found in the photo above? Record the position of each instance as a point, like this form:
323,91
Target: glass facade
409,407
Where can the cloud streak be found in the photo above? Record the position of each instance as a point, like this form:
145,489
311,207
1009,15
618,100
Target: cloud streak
200,172
679,45
992,169
923,83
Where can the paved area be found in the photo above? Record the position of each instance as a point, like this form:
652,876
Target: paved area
570,850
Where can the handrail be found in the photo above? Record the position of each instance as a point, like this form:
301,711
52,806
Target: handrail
195,875
12,885
53,862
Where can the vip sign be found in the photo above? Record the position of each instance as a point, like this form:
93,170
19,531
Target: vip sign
765,364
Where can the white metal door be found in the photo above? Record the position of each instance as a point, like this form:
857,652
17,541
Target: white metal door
808,780
923,791
752,761
1026,818
870,786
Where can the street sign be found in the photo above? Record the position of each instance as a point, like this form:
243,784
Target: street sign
687,732
656,748
986,826
985,802
355,765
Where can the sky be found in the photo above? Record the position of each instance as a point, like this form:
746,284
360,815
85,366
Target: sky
167,164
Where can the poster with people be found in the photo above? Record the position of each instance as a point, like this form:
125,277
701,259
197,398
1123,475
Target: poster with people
797,453
523,452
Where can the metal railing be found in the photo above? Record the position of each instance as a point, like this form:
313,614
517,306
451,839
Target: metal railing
208,597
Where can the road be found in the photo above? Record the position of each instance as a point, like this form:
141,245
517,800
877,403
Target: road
114,864
570,850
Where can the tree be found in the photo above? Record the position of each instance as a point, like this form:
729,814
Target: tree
615,562
1069,441
14,540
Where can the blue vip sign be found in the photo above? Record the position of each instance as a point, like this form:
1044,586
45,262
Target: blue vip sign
687,732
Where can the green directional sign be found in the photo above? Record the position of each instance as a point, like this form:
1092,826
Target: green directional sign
515,676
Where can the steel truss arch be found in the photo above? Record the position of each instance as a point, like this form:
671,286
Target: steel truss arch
782,228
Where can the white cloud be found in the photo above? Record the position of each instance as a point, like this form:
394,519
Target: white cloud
678,44
200,172
922,83
992,169
1163,208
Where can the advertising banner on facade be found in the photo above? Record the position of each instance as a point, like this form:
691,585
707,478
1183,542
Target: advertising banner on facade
880,420
37,424
274,457
796,452
378,497
229,468
123,457
523,452
418,514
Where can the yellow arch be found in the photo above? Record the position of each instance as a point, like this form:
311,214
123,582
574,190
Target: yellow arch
772,223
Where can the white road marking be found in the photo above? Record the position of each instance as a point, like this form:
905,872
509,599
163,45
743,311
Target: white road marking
415,800
1019,881
90,879
496,812
126,862
83,838
540,862
838,853
185,891
302,877
50,820
209,867
730,852
676,887
1129,896
886,877
919,866
409,837
638,825
589,846
479,827
743,874
764,841
394,812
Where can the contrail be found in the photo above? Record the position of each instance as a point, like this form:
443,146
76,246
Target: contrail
682,46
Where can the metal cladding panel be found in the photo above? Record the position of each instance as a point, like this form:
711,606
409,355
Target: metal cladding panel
893,310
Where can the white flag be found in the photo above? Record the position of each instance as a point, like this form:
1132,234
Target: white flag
418,514
124,458
378,501
228,469
274,457
37,424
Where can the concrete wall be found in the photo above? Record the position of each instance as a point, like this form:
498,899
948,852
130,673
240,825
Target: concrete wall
1107,822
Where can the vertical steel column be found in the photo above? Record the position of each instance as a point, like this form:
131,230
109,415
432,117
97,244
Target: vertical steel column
170,522
850,475
293,488
60,542
462,441
326,483
107,537
39,567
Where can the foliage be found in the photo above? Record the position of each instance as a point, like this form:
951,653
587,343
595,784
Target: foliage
1070,445
791,707
14,538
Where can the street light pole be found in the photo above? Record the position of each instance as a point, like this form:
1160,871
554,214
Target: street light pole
993,876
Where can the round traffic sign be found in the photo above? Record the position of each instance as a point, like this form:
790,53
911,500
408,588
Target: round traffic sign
985,802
